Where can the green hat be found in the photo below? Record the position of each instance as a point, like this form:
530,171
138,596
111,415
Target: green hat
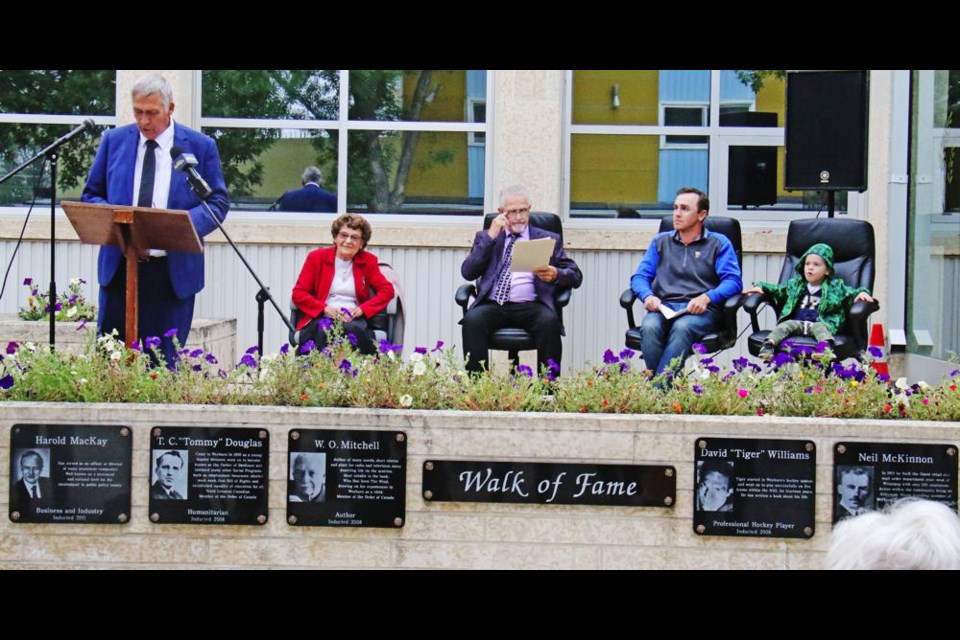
822,250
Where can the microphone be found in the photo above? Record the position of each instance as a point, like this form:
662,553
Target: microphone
85,126
186,162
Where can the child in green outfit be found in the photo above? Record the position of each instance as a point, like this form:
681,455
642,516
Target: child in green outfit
812,303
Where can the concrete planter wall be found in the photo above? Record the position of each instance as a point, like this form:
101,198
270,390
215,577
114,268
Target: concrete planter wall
217,336
467,535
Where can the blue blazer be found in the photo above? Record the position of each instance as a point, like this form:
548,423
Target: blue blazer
309,198
111,181
483,265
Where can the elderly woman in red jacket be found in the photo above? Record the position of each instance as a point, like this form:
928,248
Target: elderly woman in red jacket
336,283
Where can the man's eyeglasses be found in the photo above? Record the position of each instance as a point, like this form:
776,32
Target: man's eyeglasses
517,213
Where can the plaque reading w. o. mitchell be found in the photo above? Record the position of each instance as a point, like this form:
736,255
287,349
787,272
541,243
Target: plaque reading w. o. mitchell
78,474
201,475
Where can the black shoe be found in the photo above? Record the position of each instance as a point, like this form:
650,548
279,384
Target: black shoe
767,352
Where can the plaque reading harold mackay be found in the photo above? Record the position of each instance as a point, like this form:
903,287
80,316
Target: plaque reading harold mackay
617,485
201,475
341,478
753,487
70,473
872,475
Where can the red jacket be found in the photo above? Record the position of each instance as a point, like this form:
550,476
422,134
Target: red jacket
313,286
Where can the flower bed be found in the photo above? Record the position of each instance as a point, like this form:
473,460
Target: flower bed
793,384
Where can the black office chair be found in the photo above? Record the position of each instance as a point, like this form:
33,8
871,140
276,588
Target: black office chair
726,336
853,261
513,339
387,325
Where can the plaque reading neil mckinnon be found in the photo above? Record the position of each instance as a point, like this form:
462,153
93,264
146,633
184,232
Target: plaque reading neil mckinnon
754,487
872,475
208,475
341,478
70,473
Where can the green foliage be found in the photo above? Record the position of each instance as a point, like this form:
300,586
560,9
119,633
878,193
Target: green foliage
71,304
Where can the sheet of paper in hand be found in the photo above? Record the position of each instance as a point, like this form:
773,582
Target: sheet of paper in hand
532,254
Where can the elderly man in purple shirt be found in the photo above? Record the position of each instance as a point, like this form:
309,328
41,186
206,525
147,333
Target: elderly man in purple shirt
514,299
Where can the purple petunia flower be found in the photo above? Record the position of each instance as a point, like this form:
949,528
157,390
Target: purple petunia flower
285,349
212,359
72,300
741,363
152,342
438,347
624,367
609,358
169,333
345,366
387,347
28,281
345,311
808,390
626,354
876,352
352,338
697,389
82,325
308,346
714,369
6,381
324,324
135,346
953,373
253,350
248,361
699,347
196,353
781,358
525,370
12,348
197,367
420,350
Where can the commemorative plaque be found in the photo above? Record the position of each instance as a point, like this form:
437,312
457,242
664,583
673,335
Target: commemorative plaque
754,487
70,473
346,478
208,475
872,475
619,485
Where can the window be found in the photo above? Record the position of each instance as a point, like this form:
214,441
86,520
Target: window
37,106
398,141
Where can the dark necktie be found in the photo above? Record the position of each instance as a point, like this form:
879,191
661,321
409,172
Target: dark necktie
145,199
502,292
36,492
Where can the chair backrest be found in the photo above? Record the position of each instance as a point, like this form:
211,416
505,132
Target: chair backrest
540,219
852,242
729,227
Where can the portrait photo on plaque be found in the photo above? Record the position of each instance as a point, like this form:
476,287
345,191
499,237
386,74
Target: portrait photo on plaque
170,469
869,476
754,487
77,474
308,477
209,475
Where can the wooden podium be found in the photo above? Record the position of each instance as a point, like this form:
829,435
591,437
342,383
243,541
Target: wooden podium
135,230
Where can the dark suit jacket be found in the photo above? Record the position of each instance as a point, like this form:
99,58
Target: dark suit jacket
313,286
483,265
311,198
23,497
111,181
157,492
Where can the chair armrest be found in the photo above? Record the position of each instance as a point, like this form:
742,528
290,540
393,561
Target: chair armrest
751,304
463,295
729,310
627,299
857,321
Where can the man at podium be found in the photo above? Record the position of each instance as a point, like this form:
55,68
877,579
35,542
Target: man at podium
133,166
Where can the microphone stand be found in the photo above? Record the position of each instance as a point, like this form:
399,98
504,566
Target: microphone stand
53,156
264,293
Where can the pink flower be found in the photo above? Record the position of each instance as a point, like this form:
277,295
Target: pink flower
743,393
925,401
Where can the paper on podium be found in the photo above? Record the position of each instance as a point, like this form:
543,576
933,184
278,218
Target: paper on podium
532,254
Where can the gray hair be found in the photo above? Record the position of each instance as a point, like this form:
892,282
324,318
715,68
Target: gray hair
151,83
911,534
517,191
311,174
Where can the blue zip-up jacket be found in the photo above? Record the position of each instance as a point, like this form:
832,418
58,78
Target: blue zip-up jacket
675,272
